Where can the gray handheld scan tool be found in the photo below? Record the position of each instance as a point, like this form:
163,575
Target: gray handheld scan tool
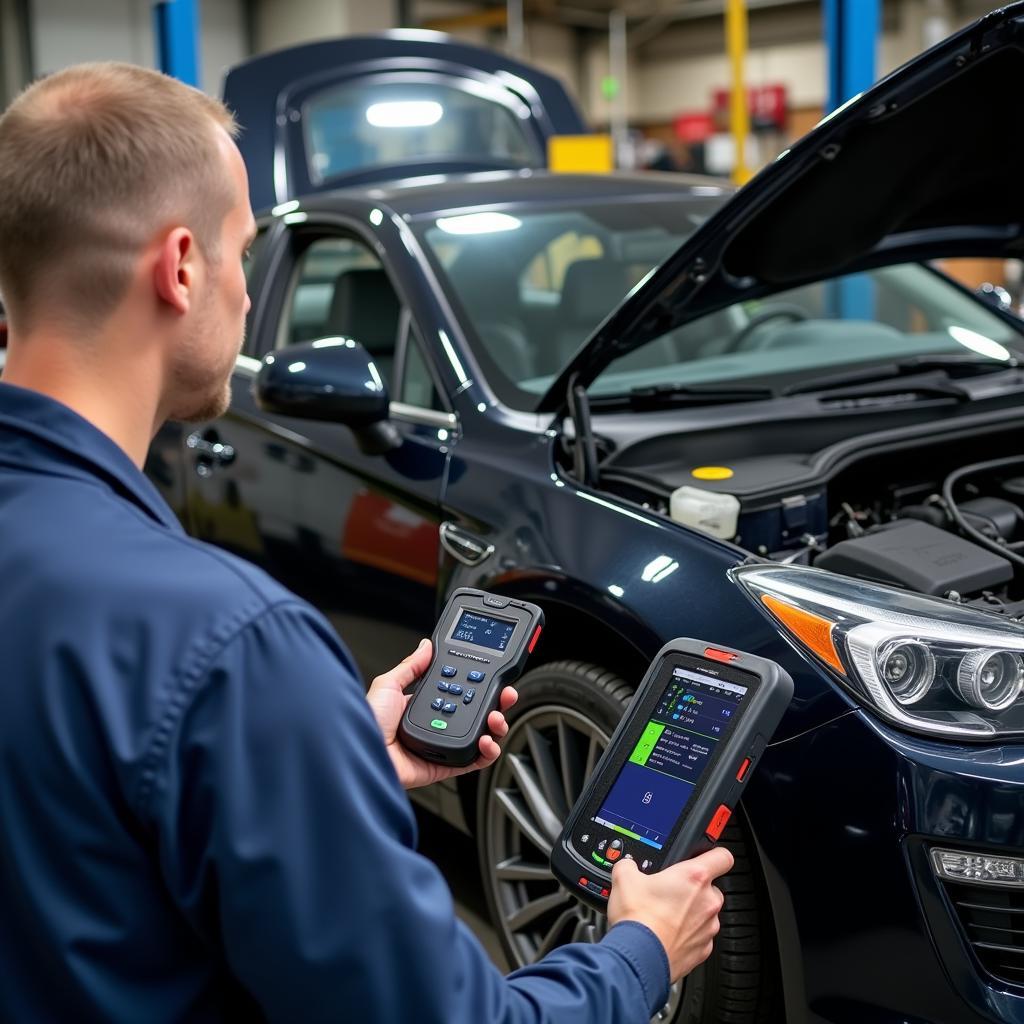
675,767
481,644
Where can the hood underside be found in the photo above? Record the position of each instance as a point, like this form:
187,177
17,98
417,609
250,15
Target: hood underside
928,163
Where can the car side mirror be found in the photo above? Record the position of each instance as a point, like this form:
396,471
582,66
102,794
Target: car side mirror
331,379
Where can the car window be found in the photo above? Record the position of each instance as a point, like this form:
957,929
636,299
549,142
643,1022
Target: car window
401,119
890,313
542,281
531,285
417,385
340,288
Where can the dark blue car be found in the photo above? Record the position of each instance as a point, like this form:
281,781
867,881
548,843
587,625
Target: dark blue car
655,410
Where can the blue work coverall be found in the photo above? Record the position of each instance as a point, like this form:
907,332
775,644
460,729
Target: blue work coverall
198,817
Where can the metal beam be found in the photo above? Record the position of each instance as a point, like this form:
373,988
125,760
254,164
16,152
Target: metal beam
177,38
852,29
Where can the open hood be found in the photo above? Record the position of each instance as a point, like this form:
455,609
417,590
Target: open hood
928,163
378,108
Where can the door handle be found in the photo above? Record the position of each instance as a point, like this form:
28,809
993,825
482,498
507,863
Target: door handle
209,451
462,545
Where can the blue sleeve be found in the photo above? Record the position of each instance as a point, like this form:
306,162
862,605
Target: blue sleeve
288,842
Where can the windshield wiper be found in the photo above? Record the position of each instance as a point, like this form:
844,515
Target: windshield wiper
954,366
664,396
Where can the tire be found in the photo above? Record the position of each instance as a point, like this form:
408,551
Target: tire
561,723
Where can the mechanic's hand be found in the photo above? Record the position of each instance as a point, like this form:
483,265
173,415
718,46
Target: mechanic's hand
678,904
387,701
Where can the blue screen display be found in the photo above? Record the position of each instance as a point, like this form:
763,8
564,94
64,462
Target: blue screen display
695,713
482,630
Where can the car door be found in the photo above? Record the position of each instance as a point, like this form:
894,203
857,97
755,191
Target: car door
355,534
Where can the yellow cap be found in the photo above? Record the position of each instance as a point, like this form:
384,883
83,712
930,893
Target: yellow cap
711,473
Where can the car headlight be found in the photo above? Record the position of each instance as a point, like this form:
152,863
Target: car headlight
925,663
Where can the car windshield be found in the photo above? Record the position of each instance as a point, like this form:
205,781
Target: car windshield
533,285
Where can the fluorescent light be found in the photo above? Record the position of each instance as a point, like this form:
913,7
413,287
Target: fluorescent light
478,223
404,114
979,343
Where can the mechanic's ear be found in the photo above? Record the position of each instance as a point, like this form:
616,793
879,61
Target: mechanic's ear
174,272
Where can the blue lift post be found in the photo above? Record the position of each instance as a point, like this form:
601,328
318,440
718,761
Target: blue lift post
177,39
851,37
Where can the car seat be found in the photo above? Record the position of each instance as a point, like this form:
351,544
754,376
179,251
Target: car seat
364,307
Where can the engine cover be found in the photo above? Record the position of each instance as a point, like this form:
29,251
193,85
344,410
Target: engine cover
920,557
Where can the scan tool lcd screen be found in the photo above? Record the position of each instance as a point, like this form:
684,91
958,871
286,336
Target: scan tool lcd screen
483,631
695,713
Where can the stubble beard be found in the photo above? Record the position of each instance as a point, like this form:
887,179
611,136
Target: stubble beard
202,392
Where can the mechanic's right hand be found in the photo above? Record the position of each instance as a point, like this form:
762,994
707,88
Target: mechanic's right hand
679,904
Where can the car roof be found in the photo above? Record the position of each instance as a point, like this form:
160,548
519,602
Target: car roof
414,197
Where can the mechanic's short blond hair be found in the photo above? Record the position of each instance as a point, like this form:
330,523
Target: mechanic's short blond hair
94,161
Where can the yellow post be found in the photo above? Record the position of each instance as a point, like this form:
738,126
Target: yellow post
739,115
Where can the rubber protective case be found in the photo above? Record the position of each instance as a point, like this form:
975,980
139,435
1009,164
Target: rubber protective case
456,742
719,786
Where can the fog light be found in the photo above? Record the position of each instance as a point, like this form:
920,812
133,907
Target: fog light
958,866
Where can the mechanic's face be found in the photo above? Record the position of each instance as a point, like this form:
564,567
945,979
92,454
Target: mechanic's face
202,371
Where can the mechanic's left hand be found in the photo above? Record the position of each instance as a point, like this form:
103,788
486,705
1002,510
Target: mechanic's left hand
387,701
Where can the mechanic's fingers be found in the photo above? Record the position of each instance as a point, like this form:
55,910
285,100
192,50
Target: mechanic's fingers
508,697
497,724
713,863
489,752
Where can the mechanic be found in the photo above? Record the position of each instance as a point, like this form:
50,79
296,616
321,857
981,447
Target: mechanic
201,812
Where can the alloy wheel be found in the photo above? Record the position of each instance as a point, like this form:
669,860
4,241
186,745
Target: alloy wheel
548,754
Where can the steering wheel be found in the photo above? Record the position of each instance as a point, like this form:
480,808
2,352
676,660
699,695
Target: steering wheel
789,312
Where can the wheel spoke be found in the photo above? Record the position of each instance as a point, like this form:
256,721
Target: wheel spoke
584,931
515,869
554,932
547,773
569,761
521,817
592,754
529,912
543,814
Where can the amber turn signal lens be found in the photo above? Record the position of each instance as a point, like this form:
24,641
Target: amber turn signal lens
811,630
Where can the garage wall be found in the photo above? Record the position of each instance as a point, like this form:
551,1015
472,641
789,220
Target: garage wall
281,23
69,31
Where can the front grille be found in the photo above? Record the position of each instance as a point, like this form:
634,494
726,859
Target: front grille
993,919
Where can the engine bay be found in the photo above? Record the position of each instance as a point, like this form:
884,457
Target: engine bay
933,509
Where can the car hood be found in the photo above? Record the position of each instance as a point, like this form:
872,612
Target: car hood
927,163
270,96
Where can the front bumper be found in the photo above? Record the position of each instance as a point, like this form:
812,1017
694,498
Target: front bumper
844,816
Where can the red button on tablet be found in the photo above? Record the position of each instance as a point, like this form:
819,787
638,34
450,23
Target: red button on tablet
716,655
613,854
718,822
744,768
584,882
604,893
